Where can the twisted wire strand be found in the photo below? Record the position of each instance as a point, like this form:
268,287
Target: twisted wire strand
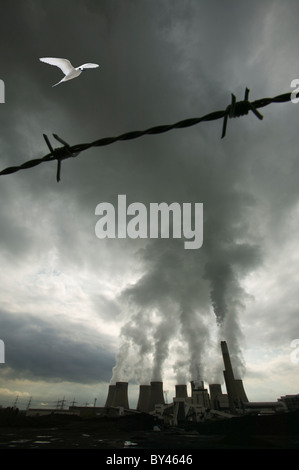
235,109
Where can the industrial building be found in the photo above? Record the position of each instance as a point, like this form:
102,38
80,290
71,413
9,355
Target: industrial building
201,404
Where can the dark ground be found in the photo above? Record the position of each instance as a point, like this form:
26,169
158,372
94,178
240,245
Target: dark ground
136,432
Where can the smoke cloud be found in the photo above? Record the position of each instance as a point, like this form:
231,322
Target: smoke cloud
172,310
160,62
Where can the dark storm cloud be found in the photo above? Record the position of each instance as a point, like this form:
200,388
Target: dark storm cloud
37,349
143,93
160,62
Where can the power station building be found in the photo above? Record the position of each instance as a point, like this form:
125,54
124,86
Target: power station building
199,405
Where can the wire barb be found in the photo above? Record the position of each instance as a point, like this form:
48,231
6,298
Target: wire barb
235,109
61,153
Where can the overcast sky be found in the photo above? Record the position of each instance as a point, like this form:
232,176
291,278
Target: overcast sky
76,311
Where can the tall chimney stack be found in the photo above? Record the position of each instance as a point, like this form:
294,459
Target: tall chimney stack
229,378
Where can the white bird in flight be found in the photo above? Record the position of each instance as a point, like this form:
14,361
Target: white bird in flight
67,68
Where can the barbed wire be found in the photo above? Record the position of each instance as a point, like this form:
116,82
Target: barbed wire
235,109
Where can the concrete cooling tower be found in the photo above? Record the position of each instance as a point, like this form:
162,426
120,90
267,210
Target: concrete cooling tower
181,391
241,391
157,396
121,395
215,392
110,396
144,398
118,395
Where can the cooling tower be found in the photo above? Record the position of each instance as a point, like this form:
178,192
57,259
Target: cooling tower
110,396
144,398
215,391
241,391
181,391
157,397
121,395
196,385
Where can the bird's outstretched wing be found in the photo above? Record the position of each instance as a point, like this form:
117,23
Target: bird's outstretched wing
89,66
63,64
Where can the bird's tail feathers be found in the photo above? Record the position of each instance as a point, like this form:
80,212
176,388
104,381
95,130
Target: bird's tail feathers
57,83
